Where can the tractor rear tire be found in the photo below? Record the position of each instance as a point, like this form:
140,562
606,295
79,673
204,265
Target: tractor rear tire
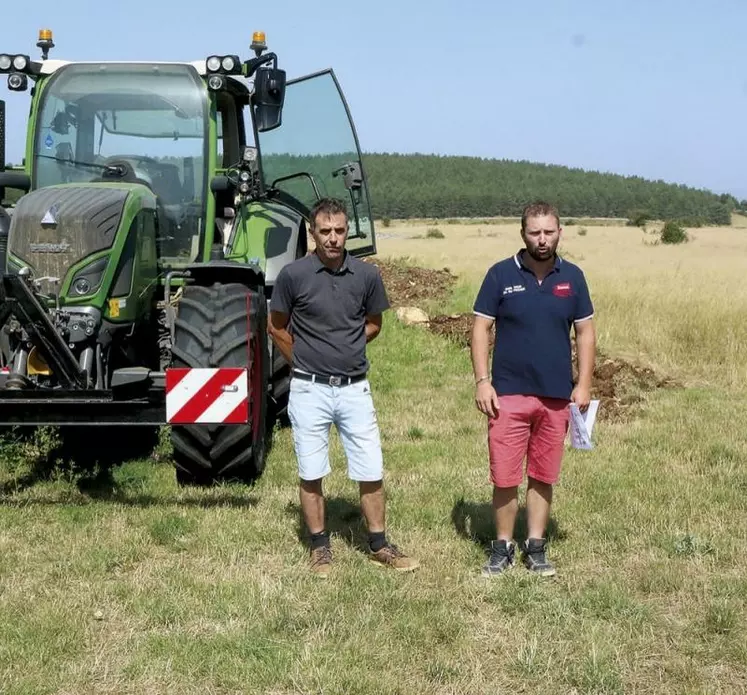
223,326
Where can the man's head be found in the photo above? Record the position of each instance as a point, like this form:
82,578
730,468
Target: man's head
329,228
541,230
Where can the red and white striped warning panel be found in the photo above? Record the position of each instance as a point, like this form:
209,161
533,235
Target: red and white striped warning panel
207,396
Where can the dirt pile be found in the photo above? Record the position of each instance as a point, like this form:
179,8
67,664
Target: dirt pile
409,285
621,386
455,327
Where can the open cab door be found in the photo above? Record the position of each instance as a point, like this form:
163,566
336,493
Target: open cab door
314,153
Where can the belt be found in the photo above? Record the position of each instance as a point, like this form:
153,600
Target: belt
328,380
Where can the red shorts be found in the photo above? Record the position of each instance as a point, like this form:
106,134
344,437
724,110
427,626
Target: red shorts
527,426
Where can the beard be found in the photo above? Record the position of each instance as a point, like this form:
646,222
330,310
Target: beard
542,254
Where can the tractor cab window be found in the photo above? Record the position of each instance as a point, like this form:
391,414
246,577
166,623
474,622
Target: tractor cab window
153,117
315,153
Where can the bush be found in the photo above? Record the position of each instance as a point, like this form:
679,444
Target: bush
385,222
673,233
434,233
583,231
570,222
638,219
692,221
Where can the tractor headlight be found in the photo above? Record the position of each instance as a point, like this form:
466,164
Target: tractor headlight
216,82
15,63
88,278
226,65
17,82
81,286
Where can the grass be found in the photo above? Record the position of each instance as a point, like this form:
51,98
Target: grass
132,585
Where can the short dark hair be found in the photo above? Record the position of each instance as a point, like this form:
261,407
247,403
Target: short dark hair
538,209
328,206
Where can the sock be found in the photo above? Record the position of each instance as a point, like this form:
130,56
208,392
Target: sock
319,539
377,541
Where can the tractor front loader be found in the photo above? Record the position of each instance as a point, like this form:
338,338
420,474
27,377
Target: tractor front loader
155,206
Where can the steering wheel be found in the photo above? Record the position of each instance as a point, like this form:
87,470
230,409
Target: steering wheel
131,173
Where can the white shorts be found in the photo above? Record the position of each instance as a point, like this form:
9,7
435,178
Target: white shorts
314,407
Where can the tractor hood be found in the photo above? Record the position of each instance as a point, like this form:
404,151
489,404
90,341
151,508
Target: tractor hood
53,229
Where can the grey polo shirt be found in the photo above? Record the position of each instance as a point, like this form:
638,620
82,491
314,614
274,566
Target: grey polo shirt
328,312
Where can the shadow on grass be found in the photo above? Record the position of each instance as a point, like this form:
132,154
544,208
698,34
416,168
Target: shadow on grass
75,452
475,522
343,519
101,486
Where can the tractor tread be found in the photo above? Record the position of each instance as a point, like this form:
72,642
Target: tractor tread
212,331
199,306
196,333
219,356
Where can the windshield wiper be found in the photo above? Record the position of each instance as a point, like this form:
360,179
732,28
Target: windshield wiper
113,169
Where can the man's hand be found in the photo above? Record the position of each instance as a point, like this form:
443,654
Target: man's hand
486,399
586,347
373,326
581,396
277,328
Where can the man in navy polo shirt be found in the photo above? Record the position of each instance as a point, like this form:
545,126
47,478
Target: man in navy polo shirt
533,298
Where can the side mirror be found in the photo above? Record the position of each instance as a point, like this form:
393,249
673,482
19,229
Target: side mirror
219,184
268,98
15,179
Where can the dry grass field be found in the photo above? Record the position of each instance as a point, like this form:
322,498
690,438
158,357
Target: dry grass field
124,583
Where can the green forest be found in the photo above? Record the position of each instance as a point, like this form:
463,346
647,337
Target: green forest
406,186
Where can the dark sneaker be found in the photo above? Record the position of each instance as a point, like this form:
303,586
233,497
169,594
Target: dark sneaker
321,561
533,552
501,558
391,556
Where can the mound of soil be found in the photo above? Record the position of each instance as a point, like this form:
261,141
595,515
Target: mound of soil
621,386
455,327
406,284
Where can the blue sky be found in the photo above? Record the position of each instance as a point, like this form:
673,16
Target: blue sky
656,88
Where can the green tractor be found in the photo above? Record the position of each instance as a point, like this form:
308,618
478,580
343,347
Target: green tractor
156,204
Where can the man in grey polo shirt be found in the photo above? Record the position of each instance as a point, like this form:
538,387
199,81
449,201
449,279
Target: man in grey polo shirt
325,308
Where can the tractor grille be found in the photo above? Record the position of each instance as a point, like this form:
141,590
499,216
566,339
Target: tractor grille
53,228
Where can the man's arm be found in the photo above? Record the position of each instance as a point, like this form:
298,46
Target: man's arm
277,327
486,398
586,348
373,326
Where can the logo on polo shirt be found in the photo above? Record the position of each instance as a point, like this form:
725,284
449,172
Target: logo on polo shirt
562,289
510,289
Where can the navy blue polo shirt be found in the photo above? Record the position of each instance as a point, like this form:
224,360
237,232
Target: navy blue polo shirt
532,354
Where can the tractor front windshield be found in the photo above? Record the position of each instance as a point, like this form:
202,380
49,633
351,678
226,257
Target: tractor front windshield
154,116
